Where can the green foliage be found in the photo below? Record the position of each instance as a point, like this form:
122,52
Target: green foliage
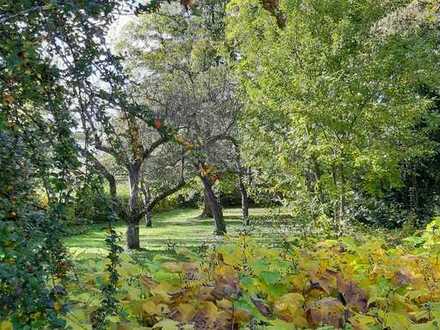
109,304
33,264
38,151
91,204
333,107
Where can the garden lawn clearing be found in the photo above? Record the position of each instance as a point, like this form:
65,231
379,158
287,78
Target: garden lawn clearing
171,229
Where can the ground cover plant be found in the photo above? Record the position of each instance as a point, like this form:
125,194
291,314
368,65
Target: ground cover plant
366,281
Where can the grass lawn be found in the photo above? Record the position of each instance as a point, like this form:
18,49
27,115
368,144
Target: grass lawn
180,228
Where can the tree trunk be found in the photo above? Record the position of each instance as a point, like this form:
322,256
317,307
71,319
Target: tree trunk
148,217
134,207
206,213
244,200
217,212
133,235
112,186
241,185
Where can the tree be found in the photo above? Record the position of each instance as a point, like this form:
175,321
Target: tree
180,73
346,119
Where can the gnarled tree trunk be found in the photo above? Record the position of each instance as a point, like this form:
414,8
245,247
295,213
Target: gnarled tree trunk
214,204
206,212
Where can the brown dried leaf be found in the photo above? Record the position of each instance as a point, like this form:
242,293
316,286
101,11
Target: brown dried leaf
328,311
353,295
262,306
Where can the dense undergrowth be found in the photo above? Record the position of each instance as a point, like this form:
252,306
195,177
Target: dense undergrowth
373,281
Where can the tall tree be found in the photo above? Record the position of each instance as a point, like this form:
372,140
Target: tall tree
331,104
175,58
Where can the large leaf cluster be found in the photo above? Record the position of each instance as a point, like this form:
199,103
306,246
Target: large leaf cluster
362,282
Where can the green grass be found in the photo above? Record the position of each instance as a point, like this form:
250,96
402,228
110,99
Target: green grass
180,228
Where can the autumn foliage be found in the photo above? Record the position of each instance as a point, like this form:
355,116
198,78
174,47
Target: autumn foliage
366,284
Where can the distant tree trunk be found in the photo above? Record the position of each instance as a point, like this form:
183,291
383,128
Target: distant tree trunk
133,207
241,184
214,204
112,186
206,212
244,200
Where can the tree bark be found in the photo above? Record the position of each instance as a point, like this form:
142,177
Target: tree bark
241,185
214,204
133,235
133,207
206,212
148,217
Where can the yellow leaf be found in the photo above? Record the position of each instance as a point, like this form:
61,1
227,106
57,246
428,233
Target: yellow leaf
425,326
362,322
395,321
281,325
224,304
209,310
293,301
186,312
167,324
172,267
162,290
150,308
6,325
290,308
57,306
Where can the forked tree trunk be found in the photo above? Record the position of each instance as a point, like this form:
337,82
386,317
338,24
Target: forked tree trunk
206,212
214,204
